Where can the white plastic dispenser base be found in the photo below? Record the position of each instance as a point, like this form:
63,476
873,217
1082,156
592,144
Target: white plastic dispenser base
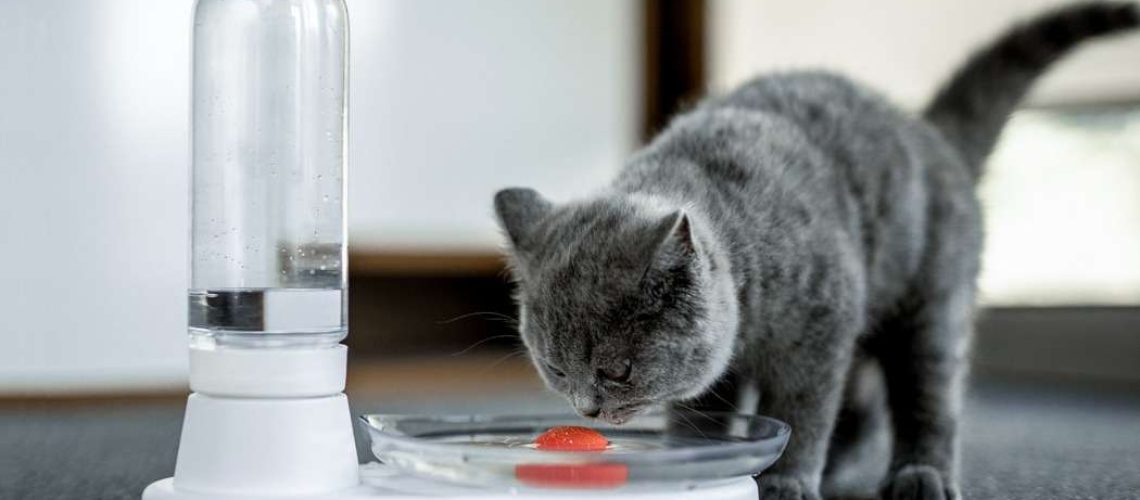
382,483
264,423
266,446
284,373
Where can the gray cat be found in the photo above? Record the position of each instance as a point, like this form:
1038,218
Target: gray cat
794,237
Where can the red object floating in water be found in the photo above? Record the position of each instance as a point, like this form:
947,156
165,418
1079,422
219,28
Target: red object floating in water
573,476
571,438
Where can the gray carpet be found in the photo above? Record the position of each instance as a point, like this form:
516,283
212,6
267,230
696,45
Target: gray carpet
1022,441
1031,442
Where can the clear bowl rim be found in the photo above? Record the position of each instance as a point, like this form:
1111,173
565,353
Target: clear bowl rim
771,444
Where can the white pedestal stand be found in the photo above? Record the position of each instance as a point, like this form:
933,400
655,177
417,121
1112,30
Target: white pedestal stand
264,423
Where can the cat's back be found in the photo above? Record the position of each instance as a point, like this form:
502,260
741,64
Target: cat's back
847,134
848,121
840,147
800,94
836,151
885,164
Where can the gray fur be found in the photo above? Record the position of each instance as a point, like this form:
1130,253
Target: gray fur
781,237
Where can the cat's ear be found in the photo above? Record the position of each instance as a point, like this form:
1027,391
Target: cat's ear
519,210
669,240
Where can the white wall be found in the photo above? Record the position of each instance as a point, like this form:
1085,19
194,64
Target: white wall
93,204
451,99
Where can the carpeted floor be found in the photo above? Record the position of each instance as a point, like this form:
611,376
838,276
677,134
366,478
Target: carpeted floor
1022,441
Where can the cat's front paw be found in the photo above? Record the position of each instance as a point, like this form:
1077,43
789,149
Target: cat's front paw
780,487
919,482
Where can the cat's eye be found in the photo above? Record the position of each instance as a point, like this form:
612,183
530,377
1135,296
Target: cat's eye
550,368
618,372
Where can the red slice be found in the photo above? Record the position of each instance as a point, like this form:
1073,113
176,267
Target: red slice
574,476
571,438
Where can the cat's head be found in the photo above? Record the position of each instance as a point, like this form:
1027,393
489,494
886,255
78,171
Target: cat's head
622,305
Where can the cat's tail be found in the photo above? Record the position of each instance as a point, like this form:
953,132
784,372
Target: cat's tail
973,106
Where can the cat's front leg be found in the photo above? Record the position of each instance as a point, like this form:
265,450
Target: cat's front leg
803,388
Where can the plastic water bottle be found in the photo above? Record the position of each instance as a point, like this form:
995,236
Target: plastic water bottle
268,258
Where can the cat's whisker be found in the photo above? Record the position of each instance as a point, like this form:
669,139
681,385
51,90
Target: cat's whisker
725,401
690,422
492,314
500,361
698,412
481,342
504,319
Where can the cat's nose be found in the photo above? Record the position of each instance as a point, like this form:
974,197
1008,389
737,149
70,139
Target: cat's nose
592,412
586,407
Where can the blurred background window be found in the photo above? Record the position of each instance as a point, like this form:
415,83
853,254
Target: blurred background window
451,100
1062,200
1062,190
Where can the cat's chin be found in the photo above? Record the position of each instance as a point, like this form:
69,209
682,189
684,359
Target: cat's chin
619,417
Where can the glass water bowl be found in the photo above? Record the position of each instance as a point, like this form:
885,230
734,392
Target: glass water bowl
681,449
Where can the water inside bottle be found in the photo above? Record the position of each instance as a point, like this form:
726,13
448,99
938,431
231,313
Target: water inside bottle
267,317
